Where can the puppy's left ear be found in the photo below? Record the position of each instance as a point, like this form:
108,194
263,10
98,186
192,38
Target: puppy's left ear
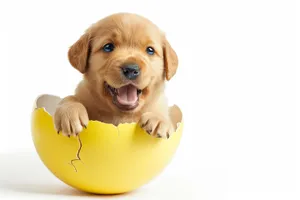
170,60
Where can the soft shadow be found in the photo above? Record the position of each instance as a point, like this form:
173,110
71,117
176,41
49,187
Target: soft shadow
25,173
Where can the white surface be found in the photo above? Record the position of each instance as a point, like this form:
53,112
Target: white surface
236,85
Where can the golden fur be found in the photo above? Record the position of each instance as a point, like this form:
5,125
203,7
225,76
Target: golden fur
131,35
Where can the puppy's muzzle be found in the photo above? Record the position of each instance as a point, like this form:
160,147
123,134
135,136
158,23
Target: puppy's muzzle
131,71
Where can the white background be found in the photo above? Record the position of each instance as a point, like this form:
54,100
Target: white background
236,85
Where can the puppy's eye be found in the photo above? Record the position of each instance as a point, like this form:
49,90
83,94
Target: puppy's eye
150,50
109,47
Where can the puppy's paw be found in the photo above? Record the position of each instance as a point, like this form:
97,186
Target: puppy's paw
156,126
70,119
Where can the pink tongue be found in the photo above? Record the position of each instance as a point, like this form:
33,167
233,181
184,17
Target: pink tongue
127,95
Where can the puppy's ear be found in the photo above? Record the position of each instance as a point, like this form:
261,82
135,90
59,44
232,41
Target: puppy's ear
79,53
170,60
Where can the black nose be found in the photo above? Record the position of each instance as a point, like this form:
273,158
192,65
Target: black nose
131,71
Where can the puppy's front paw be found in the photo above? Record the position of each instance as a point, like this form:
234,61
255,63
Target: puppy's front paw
70,119
156,125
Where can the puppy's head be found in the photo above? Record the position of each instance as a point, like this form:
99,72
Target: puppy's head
126,58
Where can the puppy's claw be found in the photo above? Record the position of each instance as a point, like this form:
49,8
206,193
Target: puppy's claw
158,135
149,131
84,126
58,132
69,136
168,135
143,125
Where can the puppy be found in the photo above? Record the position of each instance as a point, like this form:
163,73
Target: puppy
125,60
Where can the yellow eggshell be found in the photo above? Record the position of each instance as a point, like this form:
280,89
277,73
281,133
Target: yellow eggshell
104,159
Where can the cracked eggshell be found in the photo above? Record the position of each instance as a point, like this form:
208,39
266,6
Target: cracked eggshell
105,159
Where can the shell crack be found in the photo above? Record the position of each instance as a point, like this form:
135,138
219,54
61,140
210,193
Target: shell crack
77,154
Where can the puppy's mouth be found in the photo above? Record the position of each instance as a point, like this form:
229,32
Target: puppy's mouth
125,97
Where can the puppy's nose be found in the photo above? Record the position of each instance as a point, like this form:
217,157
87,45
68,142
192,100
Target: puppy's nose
131,71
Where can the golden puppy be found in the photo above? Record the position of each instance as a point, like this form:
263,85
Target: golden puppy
125,60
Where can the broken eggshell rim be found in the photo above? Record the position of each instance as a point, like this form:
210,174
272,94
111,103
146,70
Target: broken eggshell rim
49,108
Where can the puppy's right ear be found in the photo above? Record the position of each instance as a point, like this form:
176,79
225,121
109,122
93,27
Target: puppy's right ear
79,53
